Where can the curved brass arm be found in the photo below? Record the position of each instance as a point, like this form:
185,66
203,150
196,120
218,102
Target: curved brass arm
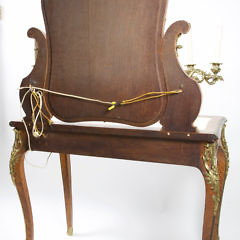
200,75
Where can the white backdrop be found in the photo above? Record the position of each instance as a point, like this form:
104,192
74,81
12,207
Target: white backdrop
121,199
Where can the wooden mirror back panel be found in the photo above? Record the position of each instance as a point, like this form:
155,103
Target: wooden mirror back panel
107,50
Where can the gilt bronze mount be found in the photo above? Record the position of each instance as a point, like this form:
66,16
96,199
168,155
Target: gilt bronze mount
212,175
15,154
225,148
199,75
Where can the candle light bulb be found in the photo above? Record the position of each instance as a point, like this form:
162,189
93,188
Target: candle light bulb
190,48
218,46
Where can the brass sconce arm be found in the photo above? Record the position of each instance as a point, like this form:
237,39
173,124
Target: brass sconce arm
200,75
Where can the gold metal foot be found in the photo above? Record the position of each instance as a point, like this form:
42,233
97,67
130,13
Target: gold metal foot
70,231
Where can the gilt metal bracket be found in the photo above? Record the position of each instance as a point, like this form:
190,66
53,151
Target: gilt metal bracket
212,176
225,149
17,146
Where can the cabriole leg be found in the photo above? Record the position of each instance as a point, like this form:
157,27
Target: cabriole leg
214,167
223,165
210,172
67,185
18,177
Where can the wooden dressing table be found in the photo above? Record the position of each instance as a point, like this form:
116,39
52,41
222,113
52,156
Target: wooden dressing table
114,51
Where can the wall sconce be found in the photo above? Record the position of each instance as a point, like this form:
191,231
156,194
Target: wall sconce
197,74
200,75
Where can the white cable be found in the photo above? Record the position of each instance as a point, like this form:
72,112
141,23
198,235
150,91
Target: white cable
24,123
38,116
67,95
26,128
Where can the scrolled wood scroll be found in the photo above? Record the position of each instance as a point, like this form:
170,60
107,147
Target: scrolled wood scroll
181,109
37,76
